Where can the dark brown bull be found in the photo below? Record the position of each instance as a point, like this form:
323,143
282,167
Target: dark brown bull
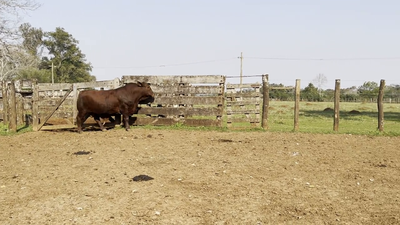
104,103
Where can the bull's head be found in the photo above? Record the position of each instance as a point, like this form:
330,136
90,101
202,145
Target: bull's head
148,94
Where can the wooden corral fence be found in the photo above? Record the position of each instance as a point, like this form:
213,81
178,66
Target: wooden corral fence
247,104
59,100
15,103
187,100
243,105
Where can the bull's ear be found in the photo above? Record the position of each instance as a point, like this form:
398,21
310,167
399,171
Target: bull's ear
140,83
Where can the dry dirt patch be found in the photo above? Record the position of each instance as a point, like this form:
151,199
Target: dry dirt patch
148,176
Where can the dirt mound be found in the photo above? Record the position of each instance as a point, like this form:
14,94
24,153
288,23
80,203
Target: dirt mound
354,112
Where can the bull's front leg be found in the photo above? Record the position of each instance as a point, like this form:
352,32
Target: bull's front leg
126,121
80,119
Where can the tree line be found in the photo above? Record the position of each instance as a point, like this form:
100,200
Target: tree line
368,91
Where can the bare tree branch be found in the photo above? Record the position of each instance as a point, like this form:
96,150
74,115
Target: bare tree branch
12,56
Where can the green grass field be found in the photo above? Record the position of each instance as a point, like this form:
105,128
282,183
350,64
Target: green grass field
314,119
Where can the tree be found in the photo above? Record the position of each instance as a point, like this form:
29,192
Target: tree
13,56
280,94
393,92
349,94
32,39
368,90
69,62
310,93
320,80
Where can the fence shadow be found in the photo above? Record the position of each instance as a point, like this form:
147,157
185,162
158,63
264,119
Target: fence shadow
351,115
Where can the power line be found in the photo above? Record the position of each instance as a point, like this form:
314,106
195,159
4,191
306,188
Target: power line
166,65
323,59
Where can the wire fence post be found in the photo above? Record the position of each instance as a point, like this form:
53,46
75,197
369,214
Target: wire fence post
265,82
380,105
336,106
296,105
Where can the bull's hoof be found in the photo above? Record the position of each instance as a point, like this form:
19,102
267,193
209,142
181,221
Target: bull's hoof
104,129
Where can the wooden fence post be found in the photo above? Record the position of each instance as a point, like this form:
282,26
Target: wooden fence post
5,102
75,93
336,105
264,121
12,108
118,118
296,105
380,105
35,106
20,109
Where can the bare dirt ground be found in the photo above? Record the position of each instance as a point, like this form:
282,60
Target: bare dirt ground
149,176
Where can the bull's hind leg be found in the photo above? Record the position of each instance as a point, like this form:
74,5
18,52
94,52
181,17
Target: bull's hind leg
97,119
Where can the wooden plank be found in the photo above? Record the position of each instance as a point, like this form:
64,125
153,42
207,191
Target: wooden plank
243,111
240,103
244,86
281,88
49,102
244,94
210,90
175,100
242,120
75,101
174,79
5,101
58,105
172,121
108,84
58,127
35,106
170,111
20,110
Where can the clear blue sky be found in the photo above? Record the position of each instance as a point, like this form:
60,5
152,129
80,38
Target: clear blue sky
351,40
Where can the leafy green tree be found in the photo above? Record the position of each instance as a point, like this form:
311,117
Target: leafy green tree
368,90
66,58
349,94
42,76
280,94
393,92
310,93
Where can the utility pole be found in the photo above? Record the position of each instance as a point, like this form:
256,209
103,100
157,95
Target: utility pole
52,72
241,71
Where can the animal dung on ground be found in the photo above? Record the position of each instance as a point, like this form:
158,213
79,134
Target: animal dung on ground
81,153
142,178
